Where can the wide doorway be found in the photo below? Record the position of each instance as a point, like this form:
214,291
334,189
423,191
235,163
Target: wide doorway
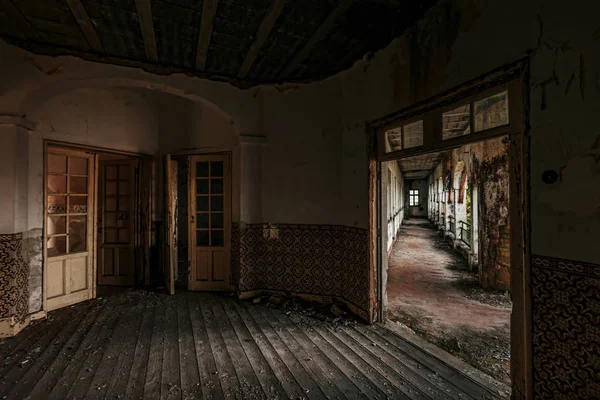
449,211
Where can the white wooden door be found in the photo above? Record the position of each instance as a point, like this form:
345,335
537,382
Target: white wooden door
210,222
69,201
116,222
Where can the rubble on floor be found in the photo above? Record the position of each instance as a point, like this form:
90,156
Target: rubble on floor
332,312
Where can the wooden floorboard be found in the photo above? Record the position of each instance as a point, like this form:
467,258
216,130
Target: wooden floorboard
144,345
139,363
155,355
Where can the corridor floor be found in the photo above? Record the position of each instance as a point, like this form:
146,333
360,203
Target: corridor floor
140,344
431,292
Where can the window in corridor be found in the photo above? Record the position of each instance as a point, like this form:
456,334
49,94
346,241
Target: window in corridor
414,198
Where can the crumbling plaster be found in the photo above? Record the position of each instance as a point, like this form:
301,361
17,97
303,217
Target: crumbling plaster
313,159
458,41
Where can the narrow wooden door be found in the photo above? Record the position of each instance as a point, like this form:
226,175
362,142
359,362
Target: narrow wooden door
116,222
68,272
210,222
169,250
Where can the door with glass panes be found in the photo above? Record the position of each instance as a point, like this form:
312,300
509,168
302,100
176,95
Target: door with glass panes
210,222
116,222
68,272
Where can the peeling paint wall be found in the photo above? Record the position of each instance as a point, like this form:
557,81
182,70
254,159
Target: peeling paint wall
487,168
458,41
392,185
102,106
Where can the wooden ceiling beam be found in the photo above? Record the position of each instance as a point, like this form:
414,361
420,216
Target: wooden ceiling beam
209,10
78,11
144,12
16,15
320,34
263,32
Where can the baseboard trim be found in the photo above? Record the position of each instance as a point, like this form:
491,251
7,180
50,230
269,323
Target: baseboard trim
10,327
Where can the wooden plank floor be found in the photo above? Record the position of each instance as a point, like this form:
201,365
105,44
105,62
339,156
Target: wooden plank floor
139,344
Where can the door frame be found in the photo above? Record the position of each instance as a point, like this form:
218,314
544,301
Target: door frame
93,236
134,198
90,235
186,155
515,78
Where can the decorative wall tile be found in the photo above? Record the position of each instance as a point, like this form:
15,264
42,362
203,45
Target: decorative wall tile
14,294
327,260
566,329
234,271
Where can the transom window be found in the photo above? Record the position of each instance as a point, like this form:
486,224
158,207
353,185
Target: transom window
485,115
488,113
405,137
413,199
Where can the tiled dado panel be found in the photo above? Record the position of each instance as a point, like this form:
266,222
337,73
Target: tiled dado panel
328,260
14,293
566,329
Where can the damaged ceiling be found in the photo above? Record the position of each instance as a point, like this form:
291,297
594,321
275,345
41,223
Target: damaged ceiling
245,42
420,167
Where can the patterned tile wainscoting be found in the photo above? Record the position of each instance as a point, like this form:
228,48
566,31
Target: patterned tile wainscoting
324,260
566,329
14,293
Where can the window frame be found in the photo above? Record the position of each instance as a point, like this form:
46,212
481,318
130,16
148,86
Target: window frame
432,116
414,199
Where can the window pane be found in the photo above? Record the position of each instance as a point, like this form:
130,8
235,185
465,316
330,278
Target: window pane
77,234
216,168
78,185
216,221
124,172
110,204
124,188
201,169
110,189
124,203
216,186
201,203
57,164
202,221
57,246
78,166
201,186
216,203
456,122
56,225
201,238
491,112
111,172
393,140
217,238
413,135
78,204
57,184
110,220
57,204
